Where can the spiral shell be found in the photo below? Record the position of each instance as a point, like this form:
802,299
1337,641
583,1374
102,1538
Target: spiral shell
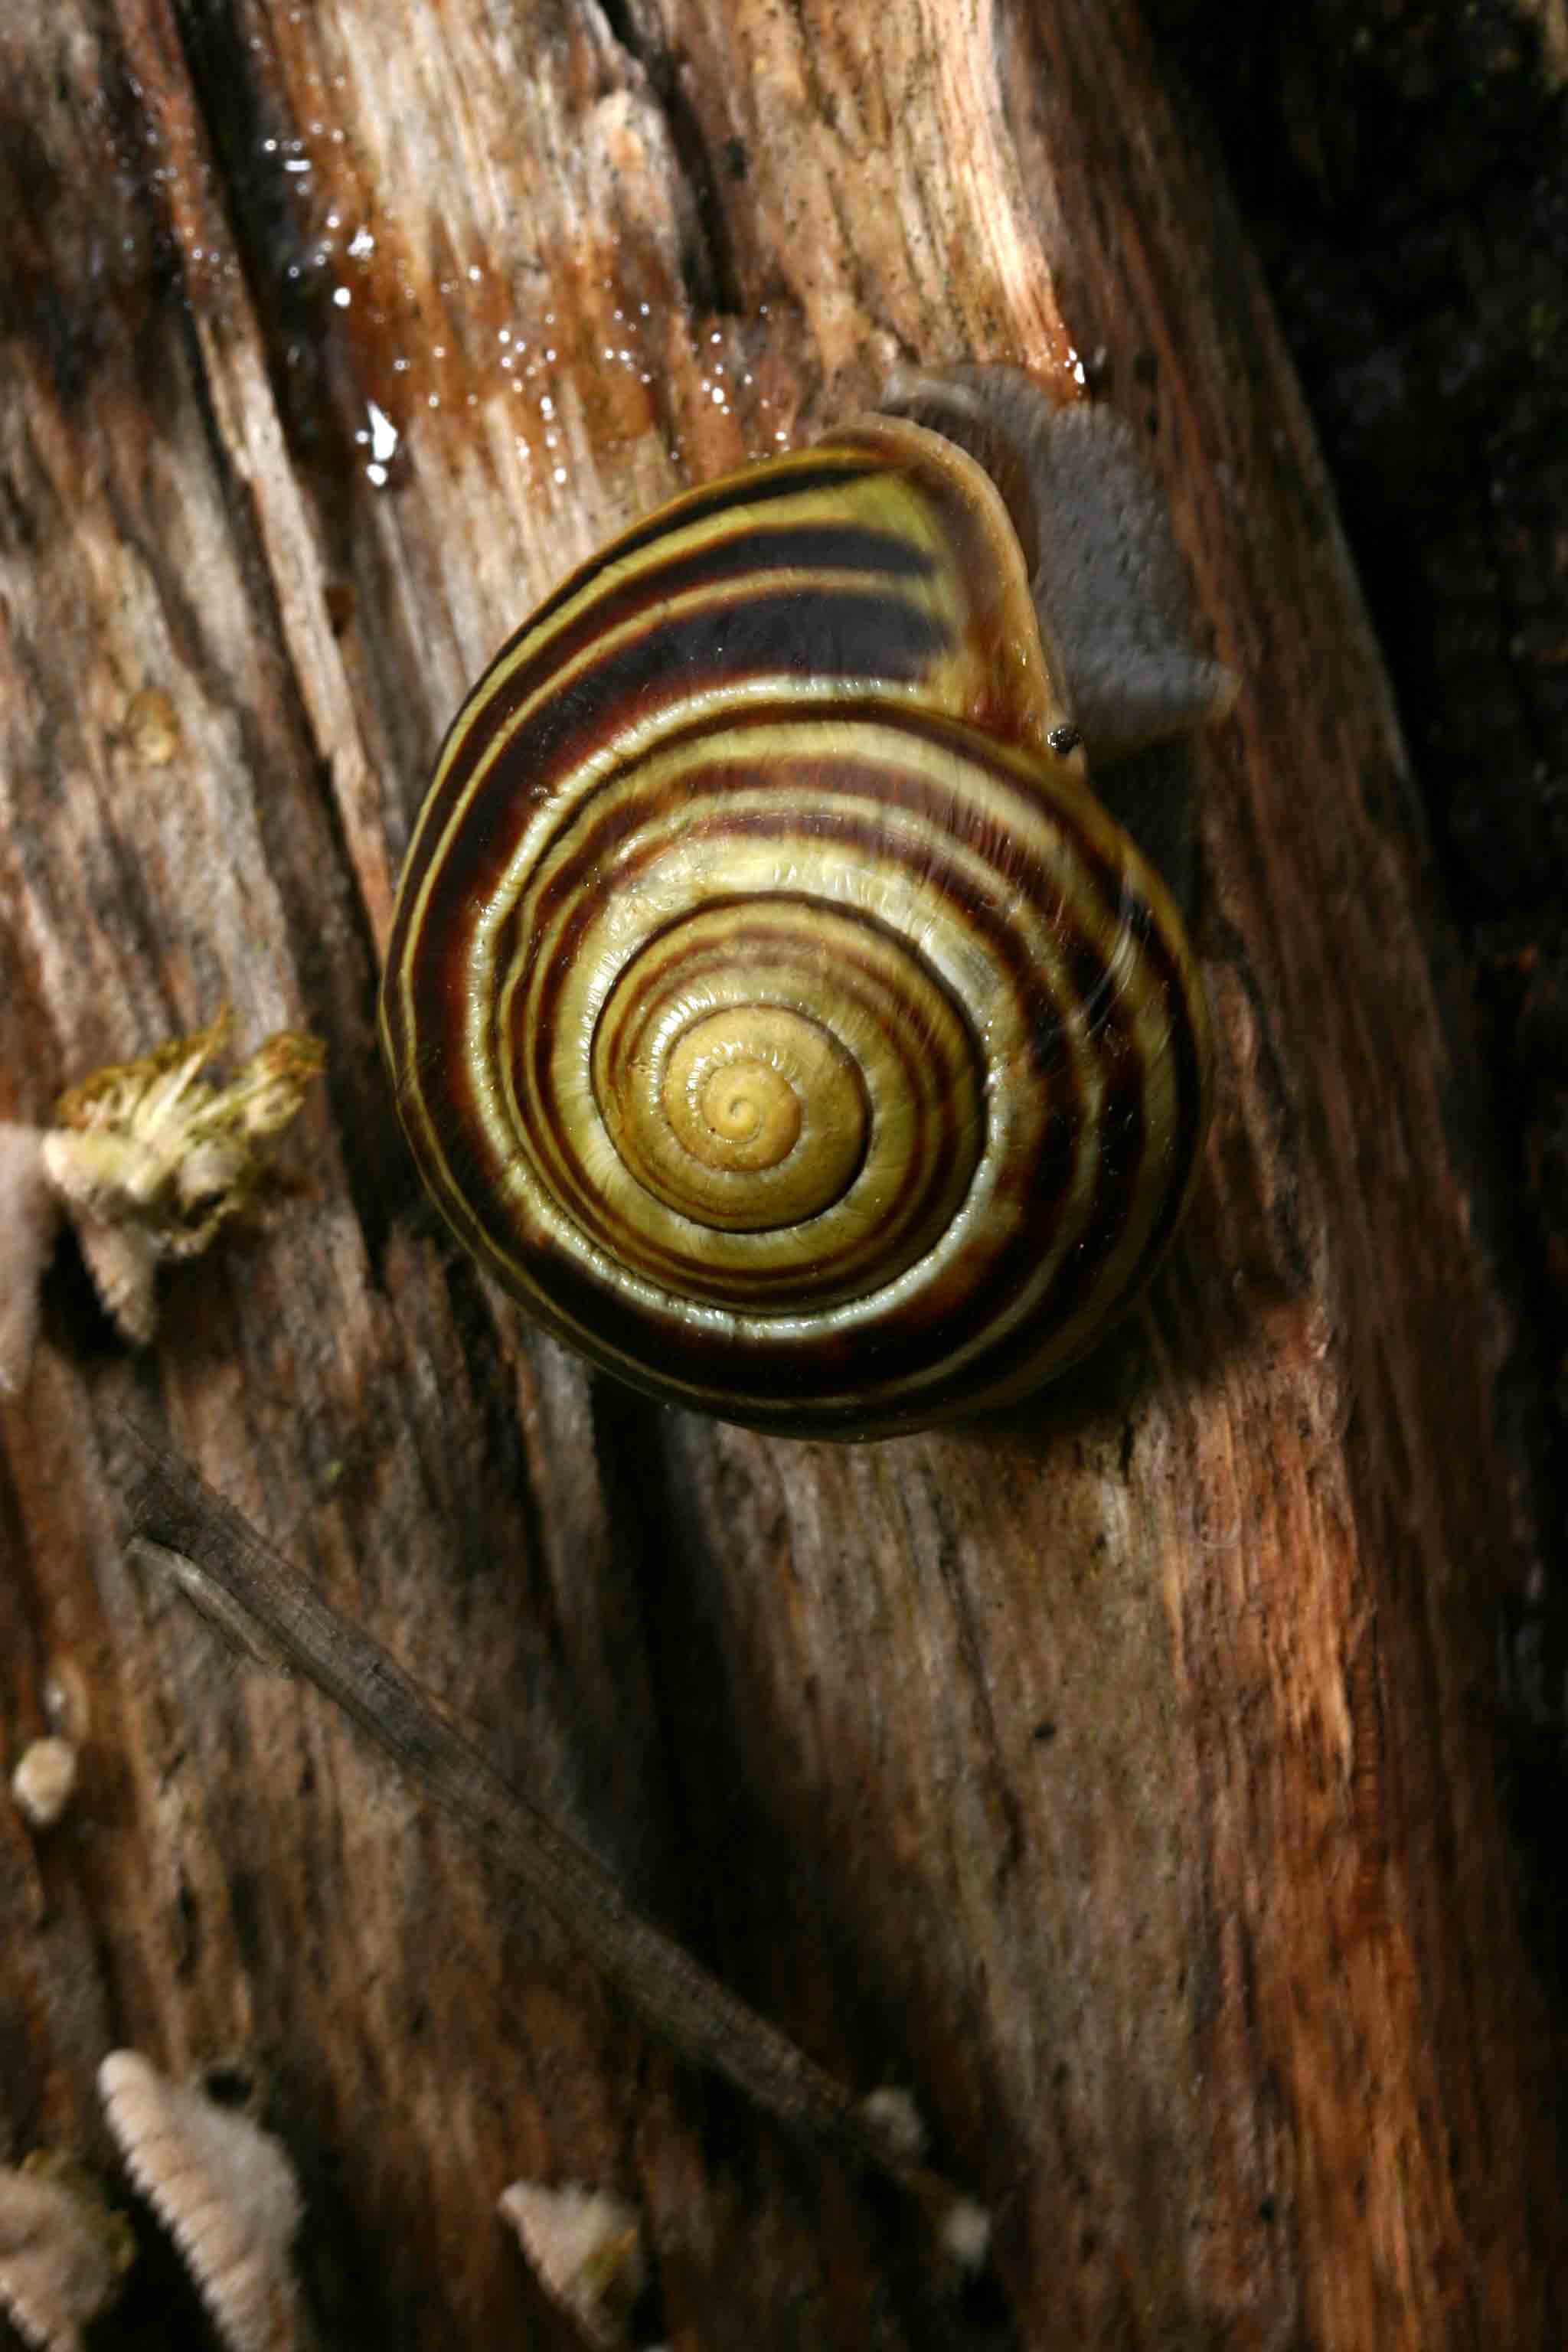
772,1006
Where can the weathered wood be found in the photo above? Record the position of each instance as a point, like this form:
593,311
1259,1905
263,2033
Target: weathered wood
1115,1775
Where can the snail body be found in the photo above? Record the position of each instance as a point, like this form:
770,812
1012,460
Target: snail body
772,1005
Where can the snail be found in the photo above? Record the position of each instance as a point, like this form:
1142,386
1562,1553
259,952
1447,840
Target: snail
772,1005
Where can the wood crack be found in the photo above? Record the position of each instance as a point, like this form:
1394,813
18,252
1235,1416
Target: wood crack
708,270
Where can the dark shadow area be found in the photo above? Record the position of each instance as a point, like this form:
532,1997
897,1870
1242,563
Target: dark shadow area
1404,180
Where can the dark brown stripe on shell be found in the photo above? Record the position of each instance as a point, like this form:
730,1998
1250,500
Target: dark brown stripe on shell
679,659
735,494
927,1174
907,1208
931,1328
676,570
920,1337
737,639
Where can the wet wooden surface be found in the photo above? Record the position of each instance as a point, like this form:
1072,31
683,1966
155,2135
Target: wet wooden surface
1120,1776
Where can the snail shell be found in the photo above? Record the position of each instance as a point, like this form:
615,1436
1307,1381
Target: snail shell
772,1007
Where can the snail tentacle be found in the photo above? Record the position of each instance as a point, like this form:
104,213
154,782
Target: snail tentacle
1105,573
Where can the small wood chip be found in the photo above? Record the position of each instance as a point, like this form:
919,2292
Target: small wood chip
29,1213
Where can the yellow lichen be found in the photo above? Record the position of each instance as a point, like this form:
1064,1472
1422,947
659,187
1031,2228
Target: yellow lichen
149,1159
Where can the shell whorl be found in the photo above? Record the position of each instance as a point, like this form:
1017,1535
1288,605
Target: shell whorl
771,1008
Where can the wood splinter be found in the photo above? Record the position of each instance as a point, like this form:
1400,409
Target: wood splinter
184,1529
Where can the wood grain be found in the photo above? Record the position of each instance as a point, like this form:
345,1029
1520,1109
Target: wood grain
1118,1776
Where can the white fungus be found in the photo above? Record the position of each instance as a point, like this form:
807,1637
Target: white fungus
44,1780
585,2248
966,2235
223,2188
895,2119
62,2254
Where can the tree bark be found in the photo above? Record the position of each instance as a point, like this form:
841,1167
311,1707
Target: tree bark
1119,1775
